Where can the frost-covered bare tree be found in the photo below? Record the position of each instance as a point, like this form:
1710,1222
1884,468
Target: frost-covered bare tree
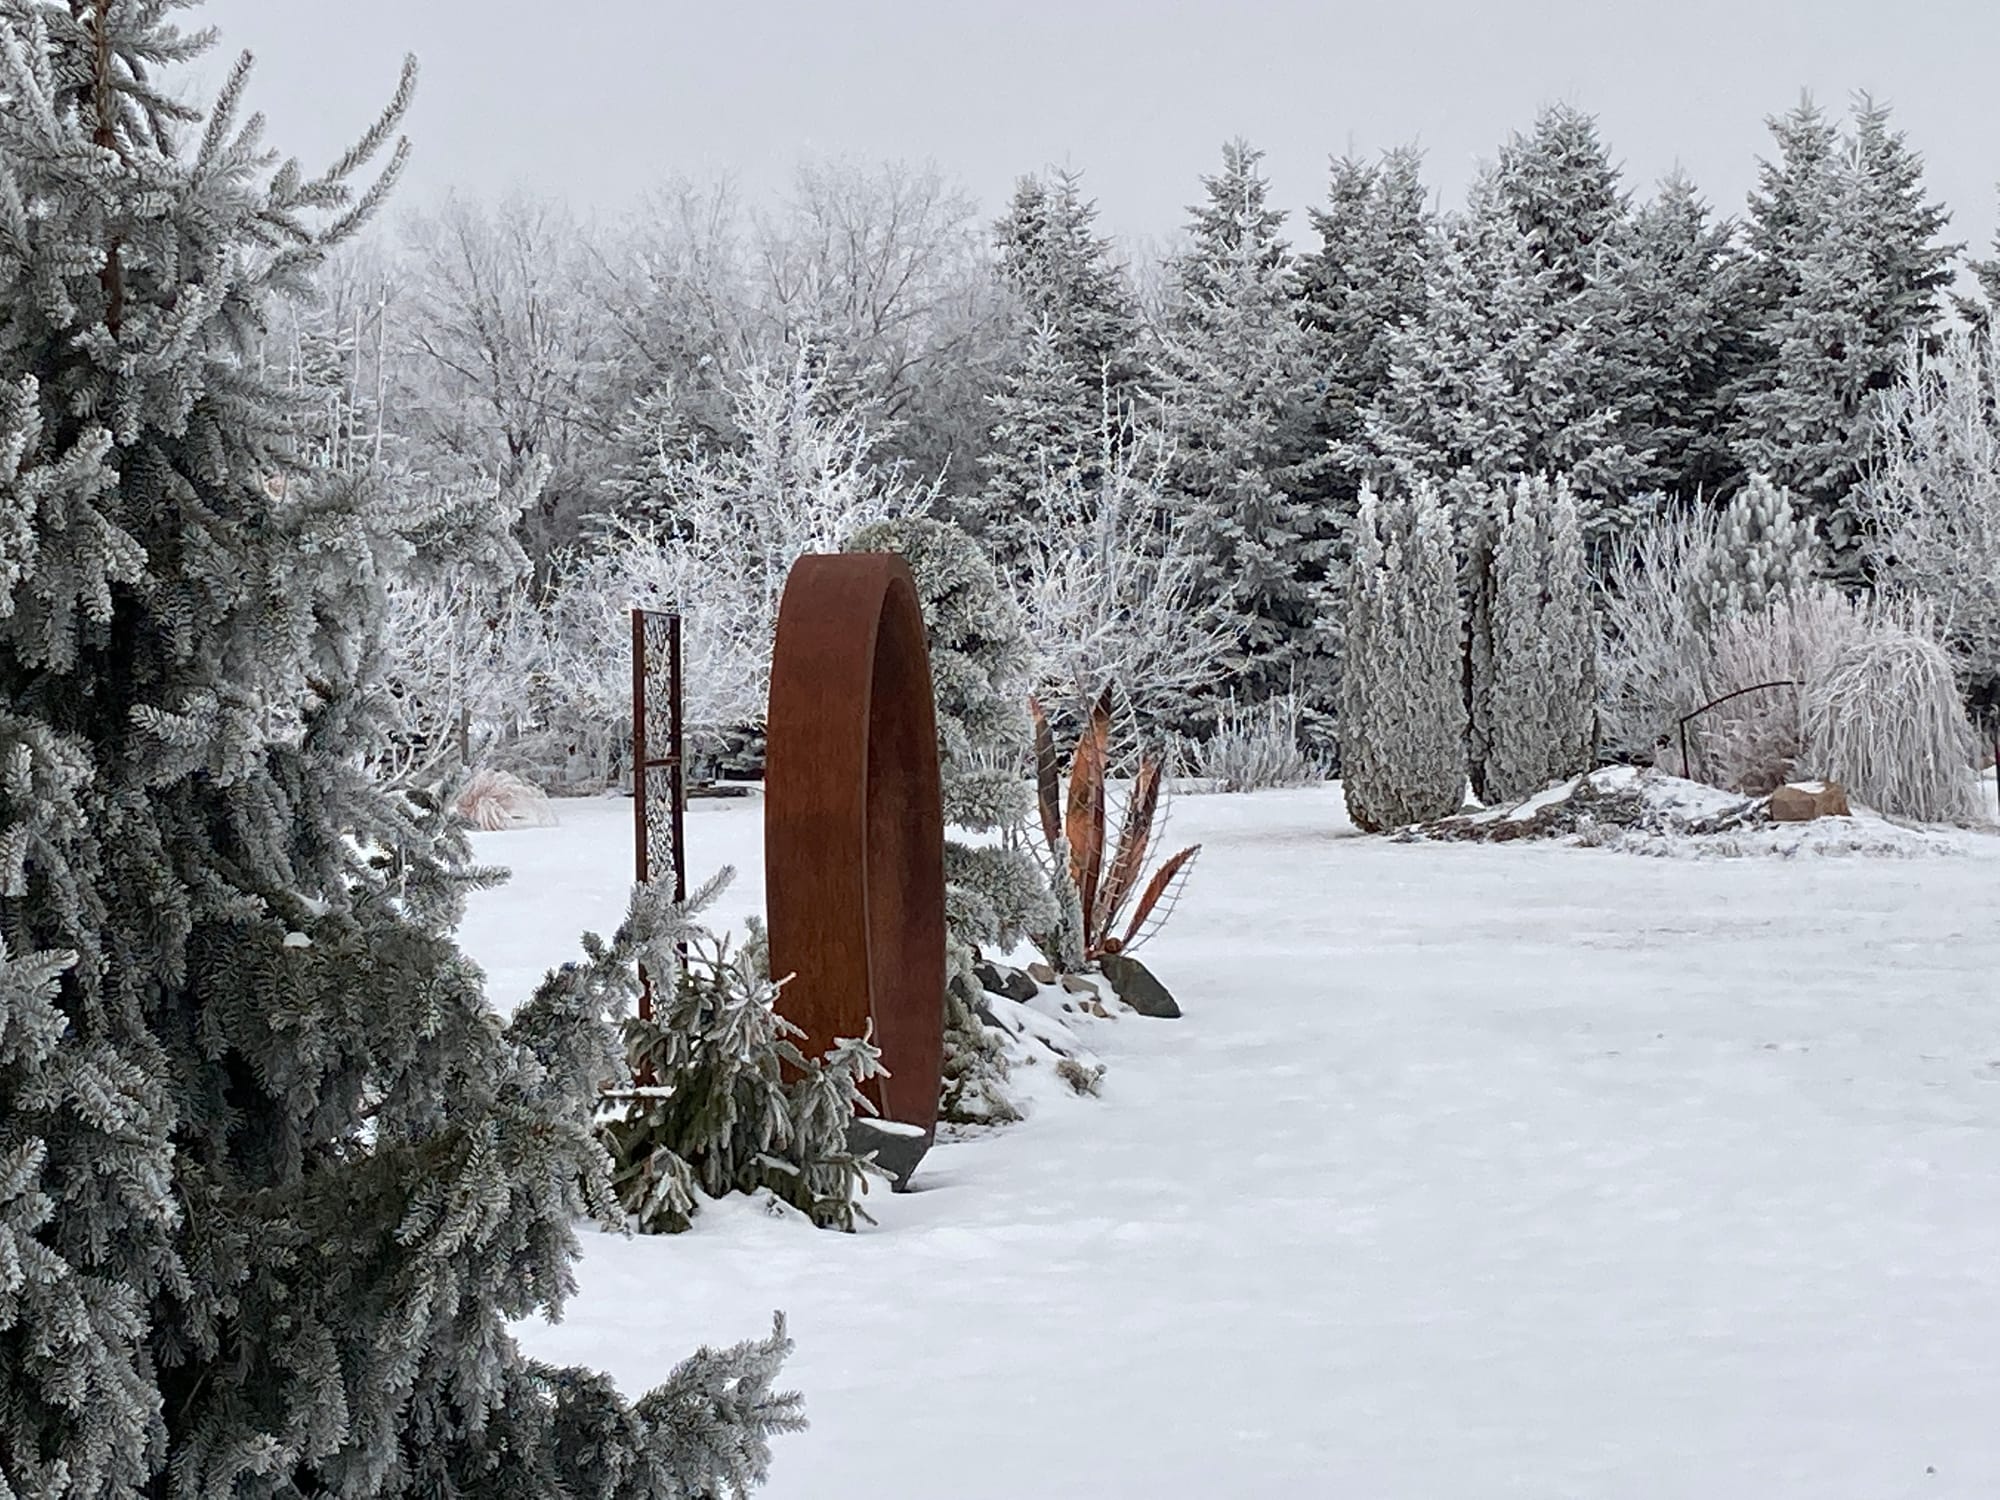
715,538
338,353
1932,502
676,277
1112,587
503,348
886,269
457,652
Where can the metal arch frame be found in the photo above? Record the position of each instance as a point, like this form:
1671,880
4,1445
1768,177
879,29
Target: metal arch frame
854,824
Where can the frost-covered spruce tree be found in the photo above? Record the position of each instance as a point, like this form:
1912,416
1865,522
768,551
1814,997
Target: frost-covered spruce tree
1365,280
273,1178
1077,367
1402,714
1543,694
725,1101
1514,364
1683,305
1234,377
1849,267
994,893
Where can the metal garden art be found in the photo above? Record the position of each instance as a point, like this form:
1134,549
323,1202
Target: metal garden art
854,825
1097,876
659,769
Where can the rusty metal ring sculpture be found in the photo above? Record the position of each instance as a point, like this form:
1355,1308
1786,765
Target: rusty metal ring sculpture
854,823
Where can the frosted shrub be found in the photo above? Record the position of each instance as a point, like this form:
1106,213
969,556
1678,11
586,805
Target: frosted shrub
1837,688
1753,743
1402,710
1111,587
1671,585
1257,746
1883,717
494,800
1539,709
1762,549
723,1100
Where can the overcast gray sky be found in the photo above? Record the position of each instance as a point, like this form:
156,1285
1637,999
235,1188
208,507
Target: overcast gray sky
593,98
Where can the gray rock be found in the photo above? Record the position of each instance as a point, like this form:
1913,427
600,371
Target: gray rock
1041,973
1002,980
1137,987
1076,984
897,1147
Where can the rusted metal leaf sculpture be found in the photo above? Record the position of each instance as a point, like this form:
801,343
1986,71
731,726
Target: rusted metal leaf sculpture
1105,874
1083,823
854,823
1048,777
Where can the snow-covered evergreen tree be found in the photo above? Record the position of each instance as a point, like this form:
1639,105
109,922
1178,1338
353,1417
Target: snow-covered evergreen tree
1849,268
1364,281
1044,425
1065,275
722,1099
1763,550
275,1179
1078,359
1684,315
1234,376
1542,702
1402,712
1513,366
995,893
1980,310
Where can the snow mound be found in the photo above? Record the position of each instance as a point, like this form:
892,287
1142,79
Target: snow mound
1650,812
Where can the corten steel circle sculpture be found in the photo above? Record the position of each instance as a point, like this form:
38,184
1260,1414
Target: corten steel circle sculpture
854,823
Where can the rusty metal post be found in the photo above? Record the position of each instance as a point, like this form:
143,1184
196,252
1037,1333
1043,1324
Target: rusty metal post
854,824
677,752
653,691
643,871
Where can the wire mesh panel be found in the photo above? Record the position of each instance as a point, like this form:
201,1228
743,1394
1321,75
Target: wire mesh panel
659,779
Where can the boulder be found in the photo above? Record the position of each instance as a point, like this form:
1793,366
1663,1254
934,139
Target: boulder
1041,973
1804,801
1137,987
1002,980
897,1147
1076,984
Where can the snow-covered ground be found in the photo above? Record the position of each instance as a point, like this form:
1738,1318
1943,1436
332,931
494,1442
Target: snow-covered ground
1471,1171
